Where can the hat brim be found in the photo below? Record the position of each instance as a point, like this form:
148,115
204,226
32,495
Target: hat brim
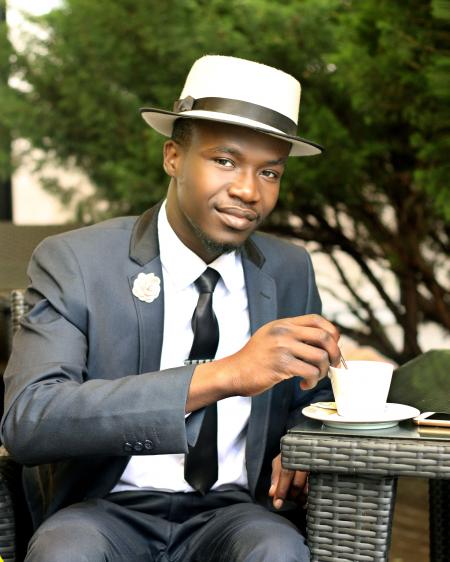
162,121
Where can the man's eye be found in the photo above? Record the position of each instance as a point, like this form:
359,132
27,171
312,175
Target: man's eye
224,162
270,174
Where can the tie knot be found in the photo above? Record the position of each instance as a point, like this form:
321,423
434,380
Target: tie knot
207,281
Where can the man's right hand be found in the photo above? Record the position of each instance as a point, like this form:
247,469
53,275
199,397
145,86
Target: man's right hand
302,346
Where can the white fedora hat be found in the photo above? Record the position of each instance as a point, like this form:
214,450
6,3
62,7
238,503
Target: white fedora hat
241,92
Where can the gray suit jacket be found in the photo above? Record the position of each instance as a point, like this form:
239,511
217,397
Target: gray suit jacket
74,408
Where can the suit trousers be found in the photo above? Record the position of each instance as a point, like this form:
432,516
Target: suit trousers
154,526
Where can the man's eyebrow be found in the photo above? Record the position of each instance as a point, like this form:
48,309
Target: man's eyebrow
281,160
236,152
227,150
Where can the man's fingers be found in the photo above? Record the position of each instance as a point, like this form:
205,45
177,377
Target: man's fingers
316,321
308,383
312,345
299,484
315,350
283,487
291,484
286,483
302,346
325,346
311,363
276,470
319,358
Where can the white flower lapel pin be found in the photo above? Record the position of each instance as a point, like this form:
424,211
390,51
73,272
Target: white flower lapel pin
146,287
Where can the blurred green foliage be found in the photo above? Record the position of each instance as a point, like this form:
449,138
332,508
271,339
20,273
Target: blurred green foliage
375,85
5,55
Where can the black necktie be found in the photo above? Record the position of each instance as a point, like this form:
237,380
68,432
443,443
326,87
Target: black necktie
200,465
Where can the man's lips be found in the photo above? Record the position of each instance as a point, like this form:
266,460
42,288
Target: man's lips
239,212
235,217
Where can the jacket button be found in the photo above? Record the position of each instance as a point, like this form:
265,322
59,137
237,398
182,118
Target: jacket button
128,447
148,444
138,446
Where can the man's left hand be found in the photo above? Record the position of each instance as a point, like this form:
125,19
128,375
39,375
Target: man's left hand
287,484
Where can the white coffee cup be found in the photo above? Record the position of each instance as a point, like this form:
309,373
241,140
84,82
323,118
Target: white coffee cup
361,391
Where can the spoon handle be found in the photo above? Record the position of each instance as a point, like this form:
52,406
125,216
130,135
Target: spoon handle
343,361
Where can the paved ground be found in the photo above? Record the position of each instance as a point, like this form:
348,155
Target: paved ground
410,533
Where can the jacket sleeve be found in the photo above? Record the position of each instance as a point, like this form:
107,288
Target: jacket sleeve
54,408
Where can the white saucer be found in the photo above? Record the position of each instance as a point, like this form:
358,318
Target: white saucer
392,415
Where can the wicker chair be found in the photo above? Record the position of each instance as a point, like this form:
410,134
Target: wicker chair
15,522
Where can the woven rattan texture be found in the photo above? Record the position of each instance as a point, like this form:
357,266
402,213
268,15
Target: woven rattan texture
7,525
18,309
14,517
349,518
363,455
439,520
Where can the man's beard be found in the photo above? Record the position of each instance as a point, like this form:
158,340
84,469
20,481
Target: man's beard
212,246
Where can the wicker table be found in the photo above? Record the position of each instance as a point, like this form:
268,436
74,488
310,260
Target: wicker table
352,485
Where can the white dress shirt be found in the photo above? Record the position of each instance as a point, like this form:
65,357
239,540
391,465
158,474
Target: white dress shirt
181,267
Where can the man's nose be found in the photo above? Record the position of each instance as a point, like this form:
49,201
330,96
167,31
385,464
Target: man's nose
245,186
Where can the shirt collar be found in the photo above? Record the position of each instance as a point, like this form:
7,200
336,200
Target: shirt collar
183,266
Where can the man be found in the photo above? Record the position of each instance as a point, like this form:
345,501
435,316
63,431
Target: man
181,462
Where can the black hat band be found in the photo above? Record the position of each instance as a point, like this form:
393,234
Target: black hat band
239,108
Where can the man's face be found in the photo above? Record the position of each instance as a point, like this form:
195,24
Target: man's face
223,185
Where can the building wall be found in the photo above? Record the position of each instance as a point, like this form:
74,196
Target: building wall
32,204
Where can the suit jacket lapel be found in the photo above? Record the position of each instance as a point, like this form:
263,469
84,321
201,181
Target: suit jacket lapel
261,293
144,250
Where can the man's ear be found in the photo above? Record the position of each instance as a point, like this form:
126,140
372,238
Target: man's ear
171,157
